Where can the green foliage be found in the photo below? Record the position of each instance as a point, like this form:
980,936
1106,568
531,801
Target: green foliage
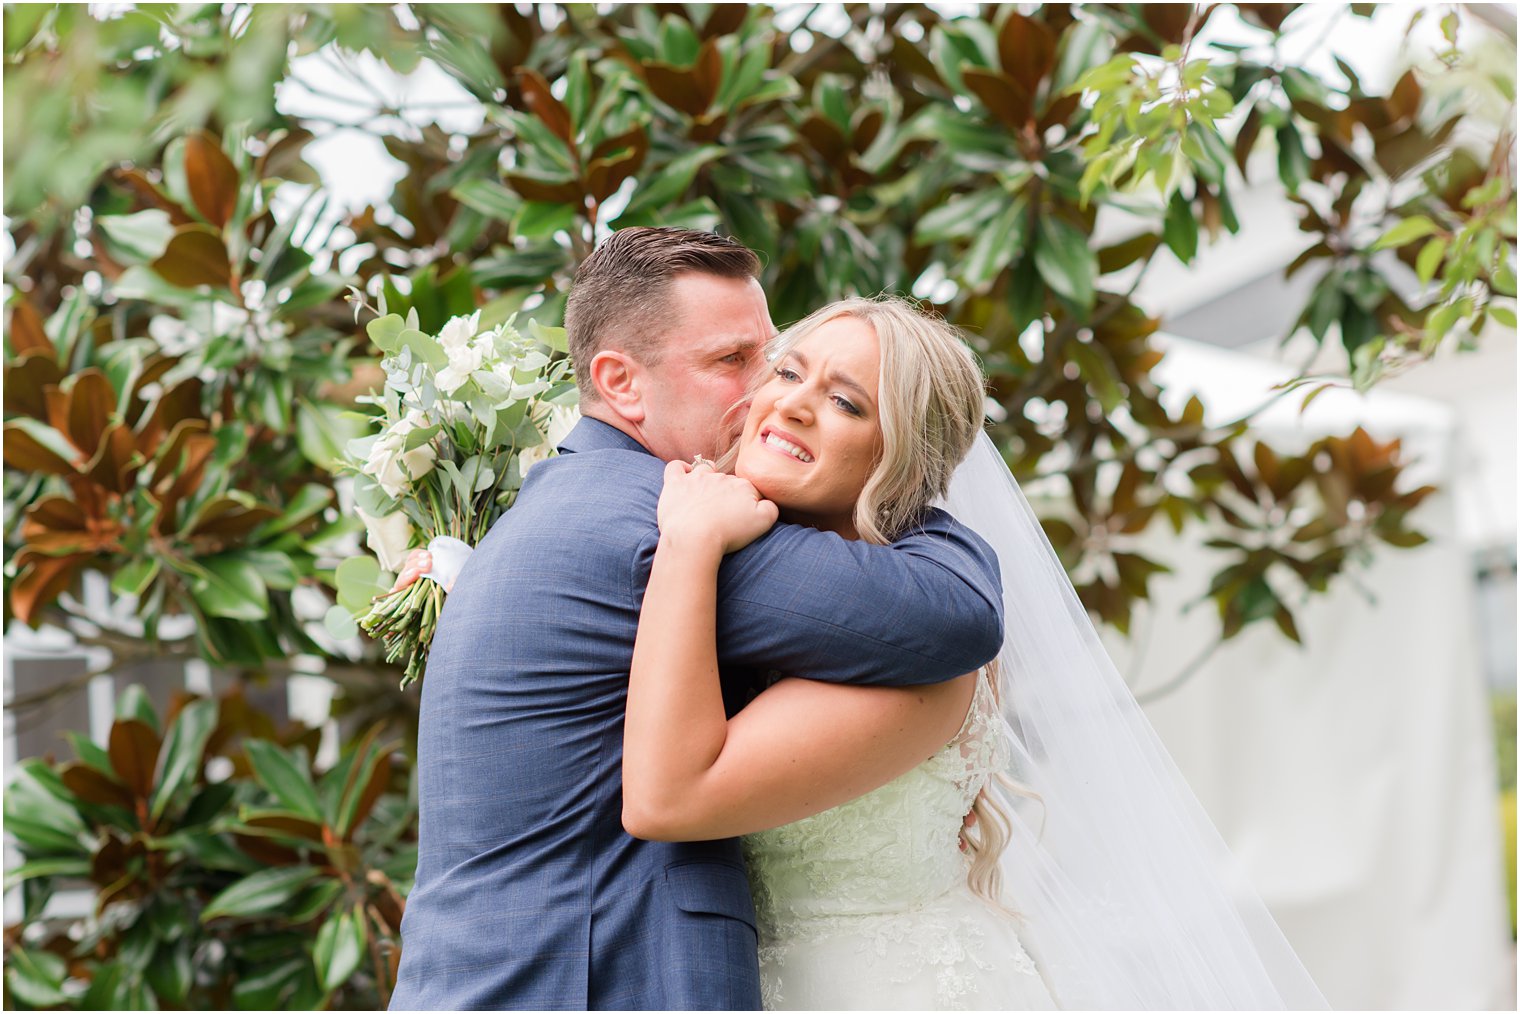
183,373
186,377
278,886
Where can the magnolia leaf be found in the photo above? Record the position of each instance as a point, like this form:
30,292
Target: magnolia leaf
278,772
180,758
323,432
1066,261
259,893
231,587
212,178
339,949
137,238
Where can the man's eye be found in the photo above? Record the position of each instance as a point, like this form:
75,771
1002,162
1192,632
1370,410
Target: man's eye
733,357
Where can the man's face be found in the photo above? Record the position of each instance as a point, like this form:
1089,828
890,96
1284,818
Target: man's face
709,356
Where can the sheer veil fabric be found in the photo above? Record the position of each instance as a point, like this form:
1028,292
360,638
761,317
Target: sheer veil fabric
1128,897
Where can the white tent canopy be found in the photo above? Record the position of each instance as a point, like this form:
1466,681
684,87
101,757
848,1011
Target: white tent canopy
1353,776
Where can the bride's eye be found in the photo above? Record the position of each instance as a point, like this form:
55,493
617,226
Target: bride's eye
845,404
786,373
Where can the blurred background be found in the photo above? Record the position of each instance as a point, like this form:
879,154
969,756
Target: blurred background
1242,276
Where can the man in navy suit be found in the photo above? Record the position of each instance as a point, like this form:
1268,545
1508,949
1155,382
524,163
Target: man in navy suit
529,893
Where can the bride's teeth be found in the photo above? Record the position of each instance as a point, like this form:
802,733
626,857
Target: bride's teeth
788,447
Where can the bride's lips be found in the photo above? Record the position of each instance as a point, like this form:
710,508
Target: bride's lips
789,438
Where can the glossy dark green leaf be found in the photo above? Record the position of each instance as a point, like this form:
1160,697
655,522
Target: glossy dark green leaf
1181,228
134,702
231,587
181,754
339,949
47,868
288,780
960,216
35,977
108,988
537,220
322,431
1026,294
1066,261
171,973
1292,160
313,901
260,892
671,182
38,815
267,985
996,244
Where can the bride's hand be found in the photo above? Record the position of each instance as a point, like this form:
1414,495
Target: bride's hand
699,504
417,563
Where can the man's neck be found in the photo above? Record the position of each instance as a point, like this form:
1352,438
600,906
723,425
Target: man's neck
599,411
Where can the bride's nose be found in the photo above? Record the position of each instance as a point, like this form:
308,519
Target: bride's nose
794,405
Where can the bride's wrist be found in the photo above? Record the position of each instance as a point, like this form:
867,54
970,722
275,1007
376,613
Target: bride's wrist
693,546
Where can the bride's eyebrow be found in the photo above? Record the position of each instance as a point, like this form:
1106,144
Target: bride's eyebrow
835,377
844,381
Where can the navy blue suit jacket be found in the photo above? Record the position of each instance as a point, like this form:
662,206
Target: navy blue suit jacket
529,894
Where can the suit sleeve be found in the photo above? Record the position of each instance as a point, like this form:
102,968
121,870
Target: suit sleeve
927,608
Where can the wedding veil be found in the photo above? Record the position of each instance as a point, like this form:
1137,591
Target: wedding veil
1128,897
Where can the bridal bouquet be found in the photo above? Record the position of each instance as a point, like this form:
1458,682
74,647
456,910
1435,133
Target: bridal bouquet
465,414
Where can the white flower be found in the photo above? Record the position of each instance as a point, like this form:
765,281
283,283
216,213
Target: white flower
463,361
561,420
389,537
391,465
458,331
558,423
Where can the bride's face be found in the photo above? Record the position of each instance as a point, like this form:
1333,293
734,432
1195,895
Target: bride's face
813,434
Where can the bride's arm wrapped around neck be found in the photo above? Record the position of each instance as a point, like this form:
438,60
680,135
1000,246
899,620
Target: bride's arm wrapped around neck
801,747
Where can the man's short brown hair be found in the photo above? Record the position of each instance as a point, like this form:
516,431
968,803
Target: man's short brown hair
621,293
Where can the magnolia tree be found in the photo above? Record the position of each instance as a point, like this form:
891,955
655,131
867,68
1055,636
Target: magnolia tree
186,376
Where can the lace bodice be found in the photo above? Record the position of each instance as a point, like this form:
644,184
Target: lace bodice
867,904
896,846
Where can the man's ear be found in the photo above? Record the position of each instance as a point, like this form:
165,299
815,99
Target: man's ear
618,378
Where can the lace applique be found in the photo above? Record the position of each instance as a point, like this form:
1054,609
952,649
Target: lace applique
885,874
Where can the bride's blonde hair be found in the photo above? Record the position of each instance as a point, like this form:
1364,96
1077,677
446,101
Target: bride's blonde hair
931,404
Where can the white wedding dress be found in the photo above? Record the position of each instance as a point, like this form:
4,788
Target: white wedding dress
866,906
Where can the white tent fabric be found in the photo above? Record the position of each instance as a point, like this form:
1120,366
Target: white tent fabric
1354,777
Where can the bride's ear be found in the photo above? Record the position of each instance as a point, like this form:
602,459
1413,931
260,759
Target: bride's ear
618,379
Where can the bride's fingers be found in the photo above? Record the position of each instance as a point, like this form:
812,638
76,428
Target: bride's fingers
417,563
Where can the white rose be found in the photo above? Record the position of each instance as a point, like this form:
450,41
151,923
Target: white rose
385,465
458,331
463,361
391,465
419,461
389,537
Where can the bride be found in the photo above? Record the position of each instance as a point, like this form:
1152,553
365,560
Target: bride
1094,880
